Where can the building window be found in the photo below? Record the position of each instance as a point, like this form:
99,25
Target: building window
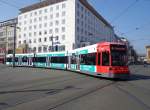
51,16
40,12
57,15
20,18
34,40
63,21
56,30
25,28
35,13
30,41
34,26
45,10
19,36
45,39
40,25
40,18
56,22
40,33
30,14
45,32
24,41
50,38
78,13
39,49
45,49
51,9
50,31
78,21
57,38
63,5
34,19
19,42
62,48
63,13
45,25
57,7
24,35
34,33
82,8
30,34
30,27
30,20
63,29
25,22
45,18
20,24
34,49
78,5
40,40
25,16
51,24
63,37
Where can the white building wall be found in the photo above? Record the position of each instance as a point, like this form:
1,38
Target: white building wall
72,22
89,28
53,20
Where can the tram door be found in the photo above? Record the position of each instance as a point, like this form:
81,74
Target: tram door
78,62
48,61
19,61
69,62
30,61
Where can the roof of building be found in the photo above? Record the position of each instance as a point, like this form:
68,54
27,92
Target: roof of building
39,5
148,46
88,6
50,2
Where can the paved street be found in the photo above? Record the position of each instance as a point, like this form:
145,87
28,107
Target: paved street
45,89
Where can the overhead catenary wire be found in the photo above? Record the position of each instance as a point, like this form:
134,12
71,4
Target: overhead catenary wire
137,28
9,4
124,11
18,2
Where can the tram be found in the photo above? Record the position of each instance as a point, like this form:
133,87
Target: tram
105,59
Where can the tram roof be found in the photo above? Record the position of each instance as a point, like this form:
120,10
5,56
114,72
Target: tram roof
111,43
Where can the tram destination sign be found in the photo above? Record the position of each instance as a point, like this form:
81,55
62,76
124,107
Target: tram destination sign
118,47
8,22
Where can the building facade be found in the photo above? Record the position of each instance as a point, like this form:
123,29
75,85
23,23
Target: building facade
148,53
58,25
7,35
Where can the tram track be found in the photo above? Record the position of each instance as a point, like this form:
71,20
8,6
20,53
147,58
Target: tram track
133,97
39,80
61,85
40,89
81,95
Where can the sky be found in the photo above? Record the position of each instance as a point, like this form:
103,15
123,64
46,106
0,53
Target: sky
130,18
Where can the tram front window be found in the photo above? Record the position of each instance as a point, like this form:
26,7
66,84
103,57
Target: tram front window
119,58
105,59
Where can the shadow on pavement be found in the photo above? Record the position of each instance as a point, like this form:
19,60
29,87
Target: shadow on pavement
48,91
138,77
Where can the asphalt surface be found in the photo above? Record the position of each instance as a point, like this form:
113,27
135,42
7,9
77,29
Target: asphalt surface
46,89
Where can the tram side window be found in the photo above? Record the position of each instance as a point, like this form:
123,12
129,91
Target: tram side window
40,59
9,59
59,59
99,58
105,58
88,59
73,60
16,59
24,59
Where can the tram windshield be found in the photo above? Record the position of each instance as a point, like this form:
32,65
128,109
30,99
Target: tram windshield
119,55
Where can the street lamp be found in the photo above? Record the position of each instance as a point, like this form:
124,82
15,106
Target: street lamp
14,46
